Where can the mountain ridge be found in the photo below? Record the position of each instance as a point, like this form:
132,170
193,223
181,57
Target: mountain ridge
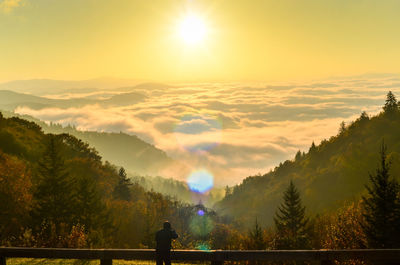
129,151
327,175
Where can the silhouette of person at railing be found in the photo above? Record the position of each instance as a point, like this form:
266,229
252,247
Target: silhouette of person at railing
163,240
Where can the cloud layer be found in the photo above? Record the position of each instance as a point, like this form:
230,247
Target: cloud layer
233,130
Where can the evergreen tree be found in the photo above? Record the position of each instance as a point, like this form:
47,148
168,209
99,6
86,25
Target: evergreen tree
122,190
313,148
228,191
291,222
382,207
53,197
256,239
364,116
342,127
89,208
391,105
298,156
1,120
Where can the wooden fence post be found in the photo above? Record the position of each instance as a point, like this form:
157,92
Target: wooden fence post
217,258
106,262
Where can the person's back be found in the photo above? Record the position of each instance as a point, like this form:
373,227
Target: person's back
163,240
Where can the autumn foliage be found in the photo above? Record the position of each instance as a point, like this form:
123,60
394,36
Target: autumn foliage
56,191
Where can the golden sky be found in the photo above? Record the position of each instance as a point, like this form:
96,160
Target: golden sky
245,40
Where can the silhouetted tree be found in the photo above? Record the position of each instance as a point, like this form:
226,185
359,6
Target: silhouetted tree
364,116
291,222
313,148
298,156
1,120
256,239
382,207
52,196
122,190
342,127
391,105
228,191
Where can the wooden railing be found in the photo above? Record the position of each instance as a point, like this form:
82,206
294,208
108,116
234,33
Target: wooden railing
216,257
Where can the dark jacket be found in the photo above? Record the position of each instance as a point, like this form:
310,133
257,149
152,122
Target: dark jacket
163,239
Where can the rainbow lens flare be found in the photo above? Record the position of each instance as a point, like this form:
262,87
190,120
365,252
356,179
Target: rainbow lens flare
200,181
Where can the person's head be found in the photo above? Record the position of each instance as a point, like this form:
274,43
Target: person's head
167,225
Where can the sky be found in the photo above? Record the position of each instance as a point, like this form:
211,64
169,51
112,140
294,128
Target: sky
258,40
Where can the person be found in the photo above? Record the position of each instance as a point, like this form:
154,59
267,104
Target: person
163,241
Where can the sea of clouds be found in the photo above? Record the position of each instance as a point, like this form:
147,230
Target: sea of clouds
232,130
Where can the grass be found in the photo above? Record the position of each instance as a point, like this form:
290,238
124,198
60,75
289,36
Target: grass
24,261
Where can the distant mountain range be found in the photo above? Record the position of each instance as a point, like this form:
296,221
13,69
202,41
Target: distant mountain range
10,100
49,86
329,174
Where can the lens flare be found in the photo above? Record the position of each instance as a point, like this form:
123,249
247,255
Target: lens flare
200,181
198,132
204,246
200,212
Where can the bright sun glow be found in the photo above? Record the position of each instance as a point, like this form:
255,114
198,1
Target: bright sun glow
192,29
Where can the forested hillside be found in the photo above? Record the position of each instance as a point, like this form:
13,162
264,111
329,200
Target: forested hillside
143,161
56,191
334,171
129,151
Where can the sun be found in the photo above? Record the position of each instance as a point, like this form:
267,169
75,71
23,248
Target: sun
192,29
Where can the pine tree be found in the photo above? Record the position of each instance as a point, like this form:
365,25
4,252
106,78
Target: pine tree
391,106
256,239
364,116
53,197
313,148
291,222
298,156
1,120
122,190
382,207
342,127
228,191
89,208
